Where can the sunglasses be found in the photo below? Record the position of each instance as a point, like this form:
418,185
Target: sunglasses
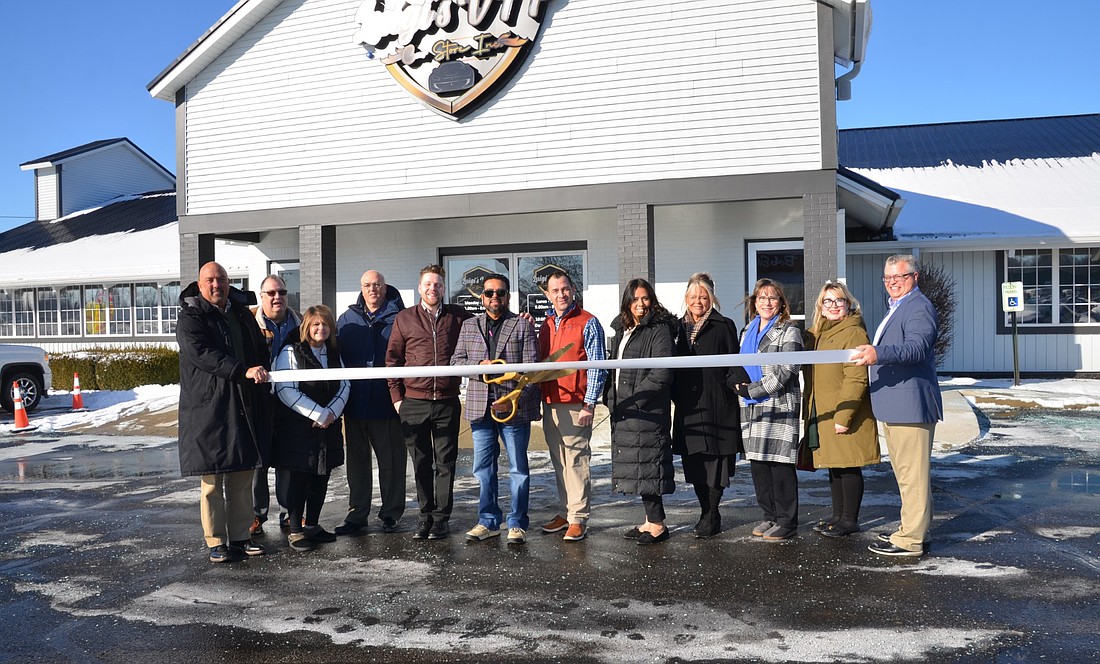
500,292
273,293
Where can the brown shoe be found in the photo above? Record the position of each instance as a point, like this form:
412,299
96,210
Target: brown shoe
576,532
257,527
557,524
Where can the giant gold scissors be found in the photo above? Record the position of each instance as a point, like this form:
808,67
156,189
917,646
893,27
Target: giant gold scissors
523,380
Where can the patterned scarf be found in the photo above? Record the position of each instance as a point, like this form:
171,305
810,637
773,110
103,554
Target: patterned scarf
698,325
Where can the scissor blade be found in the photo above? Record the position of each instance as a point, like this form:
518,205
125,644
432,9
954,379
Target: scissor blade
558,354
548,375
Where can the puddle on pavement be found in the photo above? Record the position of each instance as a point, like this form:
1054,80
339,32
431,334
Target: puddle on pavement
1077,481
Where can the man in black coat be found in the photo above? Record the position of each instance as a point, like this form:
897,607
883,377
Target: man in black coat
224,412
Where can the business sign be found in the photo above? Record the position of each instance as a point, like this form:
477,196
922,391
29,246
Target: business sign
1012,296
449,54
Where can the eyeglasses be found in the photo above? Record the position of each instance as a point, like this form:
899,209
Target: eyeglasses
500,292
766,298
273,293
894,278
373,286
829,302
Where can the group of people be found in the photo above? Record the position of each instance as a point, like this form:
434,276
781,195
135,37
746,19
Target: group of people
231,430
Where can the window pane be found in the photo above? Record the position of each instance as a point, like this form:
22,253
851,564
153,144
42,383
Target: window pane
146,309
71,311
96,305
120,309
169,307
7,319
23,312
48,319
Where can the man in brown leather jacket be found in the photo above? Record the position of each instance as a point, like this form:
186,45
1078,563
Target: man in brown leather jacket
426,335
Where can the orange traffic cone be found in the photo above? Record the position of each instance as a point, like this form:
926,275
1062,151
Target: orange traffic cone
22,422
78,401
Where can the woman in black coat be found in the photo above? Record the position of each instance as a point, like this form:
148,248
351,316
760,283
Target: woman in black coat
309,440
707,428
640,404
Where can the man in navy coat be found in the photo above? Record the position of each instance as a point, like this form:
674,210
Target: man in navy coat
905,398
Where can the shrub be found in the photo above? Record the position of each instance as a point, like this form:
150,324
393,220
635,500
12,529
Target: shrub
938,286
64,365
116,368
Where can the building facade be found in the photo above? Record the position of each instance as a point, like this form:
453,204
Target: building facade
628,138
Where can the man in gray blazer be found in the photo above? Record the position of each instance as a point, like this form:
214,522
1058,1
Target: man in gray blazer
499,334
905,399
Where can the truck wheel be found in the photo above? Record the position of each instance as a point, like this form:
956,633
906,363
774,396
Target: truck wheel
31,387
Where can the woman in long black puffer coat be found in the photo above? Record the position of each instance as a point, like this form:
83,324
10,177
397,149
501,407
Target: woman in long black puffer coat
640,402
706,432
309,439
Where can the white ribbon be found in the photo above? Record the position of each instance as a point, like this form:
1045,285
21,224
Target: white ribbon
686,362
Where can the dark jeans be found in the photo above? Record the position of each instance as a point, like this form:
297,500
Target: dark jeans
431,434
776,491
305,495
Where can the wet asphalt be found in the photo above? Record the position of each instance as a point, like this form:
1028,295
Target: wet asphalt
102,561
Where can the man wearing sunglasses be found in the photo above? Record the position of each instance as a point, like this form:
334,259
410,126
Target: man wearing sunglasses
499,334
278,324
905,399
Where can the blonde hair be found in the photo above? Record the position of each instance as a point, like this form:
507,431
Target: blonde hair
704,281
840,287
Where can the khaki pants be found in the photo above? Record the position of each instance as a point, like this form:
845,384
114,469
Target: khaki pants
910,448
225,507
571,454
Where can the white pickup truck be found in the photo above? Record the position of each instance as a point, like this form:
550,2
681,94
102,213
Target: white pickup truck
30,367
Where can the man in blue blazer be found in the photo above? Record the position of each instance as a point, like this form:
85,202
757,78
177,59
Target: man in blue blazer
905,398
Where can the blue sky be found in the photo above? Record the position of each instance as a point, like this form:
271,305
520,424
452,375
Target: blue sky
75,71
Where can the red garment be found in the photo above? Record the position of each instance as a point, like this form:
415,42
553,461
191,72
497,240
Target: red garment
570,330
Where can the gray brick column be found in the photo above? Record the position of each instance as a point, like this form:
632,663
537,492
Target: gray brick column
195,251
635,231
823,240
317,265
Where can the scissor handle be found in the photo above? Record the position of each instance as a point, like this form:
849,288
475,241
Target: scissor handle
511,397
498,378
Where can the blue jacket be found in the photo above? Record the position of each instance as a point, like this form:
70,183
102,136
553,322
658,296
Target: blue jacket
904,389
363,339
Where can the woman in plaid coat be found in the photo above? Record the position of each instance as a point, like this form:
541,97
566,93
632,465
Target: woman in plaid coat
770,411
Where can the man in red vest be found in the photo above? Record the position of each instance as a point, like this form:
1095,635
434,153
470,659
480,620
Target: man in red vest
569,403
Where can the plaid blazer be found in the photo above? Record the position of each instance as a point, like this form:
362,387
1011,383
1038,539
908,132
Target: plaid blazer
517,343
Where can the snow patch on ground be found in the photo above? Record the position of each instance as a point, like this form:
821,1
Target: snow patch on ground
1067,532
950,567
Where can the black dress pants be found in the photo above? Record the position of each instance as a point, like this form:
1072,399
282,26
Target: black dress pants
430,429
305,495
776,491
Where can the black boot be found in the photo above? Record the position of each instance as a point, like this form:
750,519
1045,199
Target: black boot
712,520
703,494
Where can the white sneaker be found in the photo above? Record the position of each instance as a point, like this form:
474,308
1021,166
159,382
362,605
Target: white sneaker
517,536
480,533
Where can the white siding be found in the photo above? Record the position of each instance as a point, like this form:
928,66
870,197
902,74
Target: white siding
45,192
617,90
89,181
398,250
711,238
977,347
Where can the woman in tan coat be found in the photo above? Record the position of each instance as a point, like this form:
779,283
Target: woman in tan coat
837,408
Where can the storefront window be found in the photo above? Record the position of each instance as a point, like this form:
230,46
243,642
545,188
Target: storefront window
17,312
782,262
71,309
1068,295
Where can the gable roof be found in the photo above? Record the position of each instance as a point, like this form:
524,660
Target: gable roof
215,41
126,214
88,148
971,143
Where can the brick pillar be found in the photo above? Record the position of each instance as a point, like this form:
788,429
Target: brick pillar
635,231
823,242
317,265
195,251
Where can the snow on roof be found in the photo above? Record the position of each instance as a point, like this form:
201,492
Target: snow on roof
1048,199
